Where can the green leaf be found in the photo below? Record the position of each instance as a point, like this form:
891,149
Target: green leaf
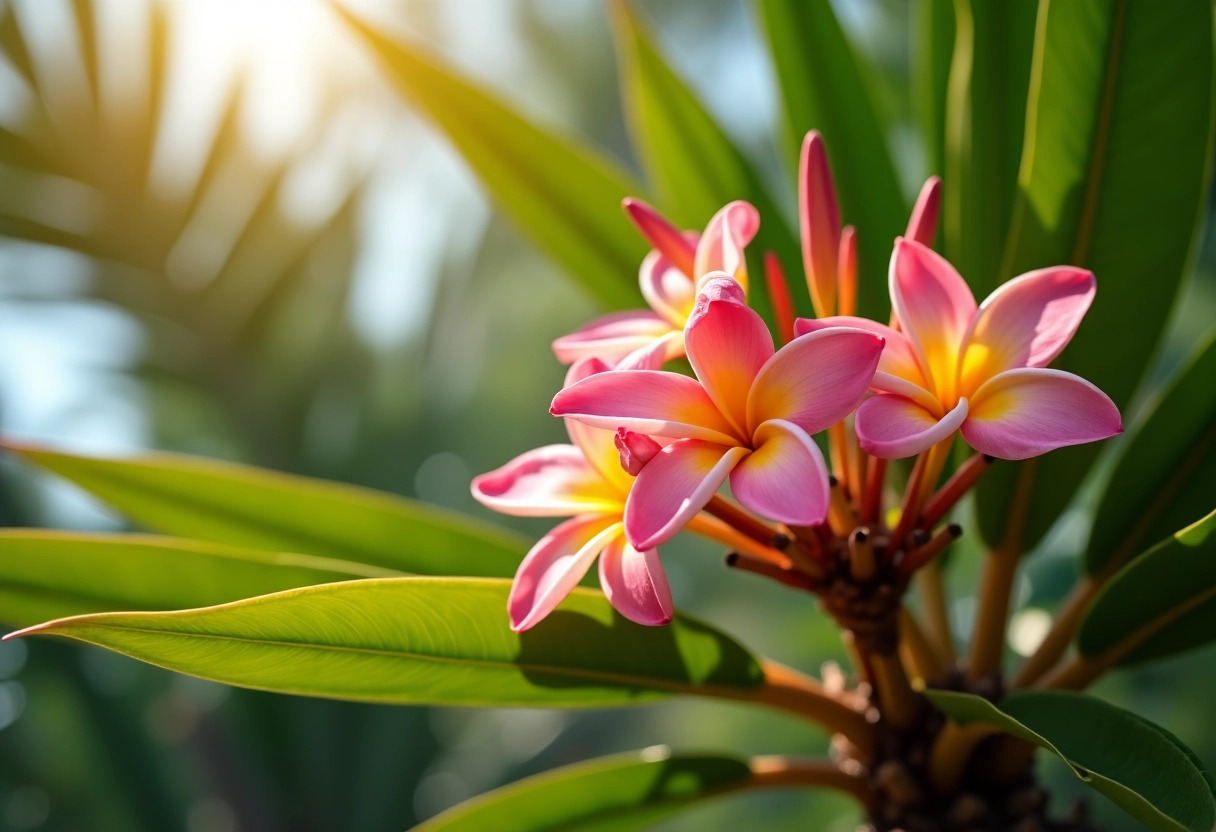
563,195
626,791
1162,603
693,163
932,51
436,641
985,120
1141,767
823,86
1166,475
256,508
1119,137
52,574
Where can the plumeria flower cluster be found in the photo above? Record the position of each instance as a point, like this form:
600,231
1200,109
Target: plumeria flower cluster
652,449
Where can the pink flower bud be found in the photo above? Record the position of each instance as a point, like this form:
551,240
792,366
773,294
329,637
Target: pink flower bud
636,449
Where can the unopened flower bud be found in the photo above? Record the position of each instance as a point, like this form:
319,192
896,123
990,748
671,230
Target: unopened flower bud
636,449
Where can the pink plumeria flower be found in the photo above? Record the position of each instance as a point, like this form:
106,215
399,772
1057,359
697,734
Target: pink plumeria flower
669,279
981,370
585,481
748,415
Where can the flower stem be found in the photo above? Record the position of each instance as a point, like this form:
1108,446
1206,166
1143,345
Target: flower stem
784,771
915,646
900,705
937,613
871,499
788,576
920,557
996,586
967,475
925,471
951,752
789,690
740,520
1059,636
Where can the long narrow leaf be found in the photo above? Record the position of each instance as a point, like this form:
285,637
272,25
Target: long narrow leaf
1141,767
692,162
627,791
253,507
564,196
440,641
51,574
823,87
1118,143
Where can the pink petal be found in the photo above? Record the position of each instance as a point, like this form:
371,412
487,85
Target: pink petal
898,355
597,444
720,248
555,565
1027,412
635,583
655,354
611,337
669,291
649,401
892,427
785,478
922,225
934,307
673,487
553,481
1026,322
815,380
819,223
727,344
665,237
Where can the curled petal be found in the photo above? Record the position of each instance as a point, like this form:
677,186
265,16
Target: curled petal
649,401
1026,322
553,481
819,223
1027,412
922,225
555,565
934,307
673,487
668,240
815,380
727,344
892,427
669,291
635,583
784,478
720,248
635,450
611,337
898,354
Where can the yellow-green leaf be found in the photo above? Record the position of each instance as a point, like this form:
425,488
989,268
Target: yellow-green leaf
253,507
437,641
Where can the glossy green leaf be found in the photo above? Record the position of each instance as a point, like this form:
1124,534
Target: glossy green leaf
1141,767
693,164
824,87
257,508
1163,602
1165,478
563,195
626,791
985,121
437,641
1119,136
932,51
52,574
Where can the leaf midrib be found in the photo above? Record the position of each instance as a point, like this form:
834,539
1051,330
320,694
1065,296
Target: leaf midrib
619,679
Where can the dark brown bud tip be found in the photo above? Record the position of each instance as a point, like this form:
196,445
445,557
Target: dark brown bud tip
955,530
